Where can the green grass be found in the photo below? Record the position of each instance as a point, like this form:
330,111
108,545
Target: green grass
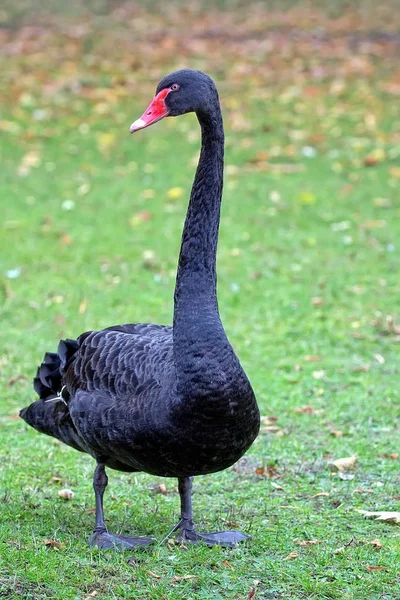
308,266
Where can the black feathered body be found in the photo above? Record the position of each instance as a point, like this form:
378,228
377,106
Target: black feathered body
121,404
171,401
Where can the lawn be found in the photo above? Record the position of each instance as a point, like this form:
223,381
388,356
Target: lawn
308,283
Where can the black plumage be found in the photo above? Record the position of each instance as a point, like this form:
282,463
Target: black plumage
170,401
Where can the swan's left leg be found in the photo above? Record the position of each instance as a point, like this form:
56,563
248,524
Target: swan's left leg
187,532
100,536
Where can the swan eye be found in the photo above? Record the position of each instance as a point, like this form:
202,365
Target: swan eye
174,87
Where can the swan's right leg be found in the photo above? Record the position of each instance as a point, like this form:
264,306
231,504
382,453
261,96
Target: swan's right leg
187,532
100,536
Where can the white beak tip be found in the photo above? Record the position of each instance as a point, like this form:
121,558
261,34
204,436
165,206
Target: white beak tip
138,124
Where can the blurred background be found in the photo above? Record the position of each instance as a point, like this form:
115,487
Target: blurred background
91,217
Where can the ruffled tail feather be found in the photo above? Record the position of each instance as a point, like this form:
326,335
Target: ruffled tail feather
50,414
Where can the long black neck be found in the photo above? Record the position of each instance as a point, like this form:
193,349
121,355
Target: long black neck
196,316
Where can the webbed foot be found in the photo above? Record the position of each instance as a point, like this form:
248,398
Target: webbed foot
105,540
226,539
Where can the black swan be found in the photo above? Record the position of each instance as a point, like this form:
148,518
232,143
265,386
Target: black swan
170,401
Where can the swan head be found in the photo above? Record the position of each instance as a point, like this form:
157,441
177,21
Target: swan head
179,93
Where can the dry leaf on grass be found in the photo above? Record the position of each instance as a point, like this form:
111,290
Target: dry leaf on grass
305,410
320,494
16,378
343,464
318,374
299,542
317,301
387,516
66,494
292,555
82,307
312,358
52,544
268,420
336,432
159,488
346,476
373,568
267,471
270,429
153,575
176,578
276,486
252,592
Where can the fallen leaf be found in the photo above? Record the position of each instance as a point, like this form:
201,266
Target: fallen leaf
387,516
361,368
292,555
317,301
15,378
299,542
159,488
343,464
307,409
363,491
339,550
373,568
83,306
379,359
105,141
374,224
336,432
231,524
268,471
55,479
312,358
307,198
252,592
382,202
276,486
393,456
175,193
270,429
65,239
175,577
320,494
269,420
395,172
374,158
153,575
66,494
52,543
140,217
318,374
376,543
228,565
29,160
149,259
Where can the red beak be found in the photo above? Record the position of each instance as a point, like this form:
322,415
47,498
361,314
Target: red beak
156,111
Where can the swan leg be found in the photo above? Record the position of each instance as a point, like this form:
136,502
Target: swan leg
100,536
187,532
